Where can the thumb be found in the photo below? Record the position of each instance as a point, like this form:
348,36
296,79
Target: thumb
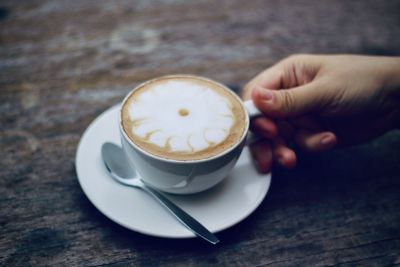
291,102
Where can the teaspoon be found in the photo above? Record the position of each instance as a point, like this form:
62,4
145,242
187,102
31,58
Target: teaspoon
119,169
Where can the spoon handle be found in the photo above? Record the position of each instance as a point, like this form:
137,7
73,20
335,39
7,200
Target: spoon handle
187,220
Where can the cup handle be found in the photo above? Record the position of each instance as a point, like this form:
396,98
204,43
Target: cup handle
251,109
251,138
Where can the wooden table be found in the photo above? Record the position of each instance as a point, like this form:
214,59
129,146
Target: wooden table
63,62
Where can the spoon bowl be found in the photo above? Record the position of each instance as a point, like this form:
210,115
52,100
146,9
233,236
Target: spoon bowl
118,166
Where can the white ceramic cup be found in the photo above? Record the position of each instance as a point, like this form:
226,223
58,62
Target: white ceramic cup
189,176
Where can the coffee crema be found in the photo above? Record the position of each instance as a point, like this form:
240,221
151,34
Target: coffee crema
183,117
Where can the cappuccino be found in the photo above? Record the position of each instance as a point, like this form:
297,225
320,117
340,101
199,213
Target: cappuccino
183,117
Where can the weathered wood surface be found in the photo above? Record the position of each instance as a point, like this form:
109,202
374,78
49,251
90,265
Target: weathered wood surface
63,62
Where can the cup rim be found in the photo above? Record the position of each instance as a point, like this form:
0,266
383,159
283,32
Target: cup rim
190,161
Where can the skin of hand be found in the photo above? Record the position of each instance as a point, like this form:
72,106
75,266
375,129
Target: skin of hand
320,101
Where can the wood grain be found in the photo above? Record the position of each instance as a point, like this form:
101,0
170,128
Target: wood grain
63,62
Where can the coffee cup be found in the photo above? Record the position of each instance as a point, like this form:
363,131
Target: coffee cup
183,134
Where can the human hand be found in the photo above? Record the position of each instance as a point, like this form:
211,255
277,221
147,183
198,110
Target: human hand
318,102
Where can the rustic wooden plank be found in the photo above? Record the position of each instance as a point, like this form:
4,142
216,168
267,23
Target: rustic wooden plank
63,62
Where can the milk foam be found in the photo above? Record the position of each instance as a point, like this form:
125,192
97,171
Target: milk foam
181,116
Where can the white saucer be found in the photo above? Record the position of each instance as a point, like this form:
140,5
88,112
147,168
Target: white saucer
217,209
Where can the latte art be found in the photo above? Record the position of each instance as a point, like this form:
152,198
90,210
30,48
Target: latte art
183,118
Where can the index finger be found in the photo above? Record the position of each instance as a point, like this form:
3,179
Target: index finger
270,78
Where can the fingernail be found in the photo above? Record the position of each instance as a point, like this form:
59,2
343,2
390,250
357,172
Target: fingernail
265,94
326,140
